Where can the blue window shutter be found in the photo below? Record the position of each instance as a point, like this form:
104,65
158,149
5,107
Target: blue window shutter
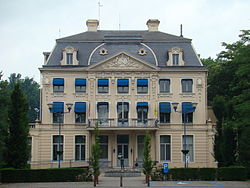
165,107
58,81
80,82
142,82
58,107
122,82
142,104
80,107
187,107
102,103
103,82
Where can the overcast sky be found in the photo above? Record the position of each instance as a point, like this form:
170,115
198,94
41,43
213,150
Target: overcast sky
30,27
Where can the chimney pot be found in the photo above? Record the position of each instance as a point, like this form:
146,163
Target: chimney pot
153,24
92,24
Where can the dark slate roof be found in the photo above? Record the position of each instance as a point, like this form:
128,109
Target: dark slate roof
156,43
102,35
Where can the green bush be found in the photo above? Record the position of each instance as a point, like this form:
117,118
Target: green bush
184,174
207,173
45,175
232,173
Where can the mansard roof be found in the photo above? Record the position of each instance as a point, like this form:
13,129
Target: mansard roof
157,44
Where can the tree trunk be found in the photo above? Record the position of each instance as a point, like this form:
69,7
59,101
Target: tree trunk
148,180
94,180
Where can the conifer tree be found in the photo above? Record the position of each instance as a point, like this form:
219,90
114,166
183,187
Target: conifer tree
147,162
17,144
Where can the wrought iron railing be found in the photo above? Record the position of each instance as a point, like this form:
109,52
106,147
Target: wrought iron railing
114,122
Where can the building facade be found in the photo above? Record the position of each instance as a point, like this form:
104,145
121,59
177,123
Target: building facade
127,82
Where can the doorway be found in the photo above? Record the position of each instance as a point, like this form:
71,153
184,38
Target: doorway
123,149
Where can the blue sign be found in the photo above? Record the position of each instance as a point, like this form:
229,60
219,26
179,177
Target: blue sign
165,168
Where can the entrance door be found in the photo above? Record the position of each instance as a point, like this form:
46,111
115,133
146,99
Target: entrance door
122,149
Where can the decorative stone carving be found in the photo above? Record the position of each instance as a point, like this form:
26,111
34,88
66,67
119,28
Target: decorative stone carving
122,62
103,51
142,52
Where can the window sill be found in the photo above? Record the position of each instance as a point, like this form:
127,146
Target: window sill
58,94
80,93
187,94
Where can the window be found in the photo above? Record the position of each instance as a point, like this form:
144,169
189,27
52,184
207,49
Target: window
187,112
103,111
57,147
142,112
165,148
80,146
122,113
122,85
175,59
140,148
58,109
58,85
142,86
103,85
104,146
80,85
69,60
164,85
80,112
165,110
176,56
187,144
187,85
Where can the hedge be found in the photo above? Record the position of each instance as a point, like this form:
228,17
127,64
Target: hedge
45,175
234,173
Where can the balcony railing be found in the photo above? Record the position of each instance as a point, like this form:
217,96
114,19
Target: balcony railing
122,123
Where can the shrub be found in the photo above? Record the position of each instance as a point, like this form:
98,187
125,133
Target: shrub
184,174
45,175
232,173
207,173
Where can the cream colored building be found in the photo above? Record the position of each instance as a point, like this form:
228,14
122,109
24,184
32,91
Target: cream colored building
127,81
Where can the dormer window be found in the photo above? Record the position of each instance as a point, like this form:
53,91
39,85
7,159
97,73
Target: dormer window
175,57
69,56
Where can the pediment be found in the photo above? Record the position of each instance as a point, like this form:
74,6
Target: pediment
122,62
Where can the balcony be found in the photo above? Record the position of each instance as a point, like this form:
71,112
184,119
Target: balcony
126,124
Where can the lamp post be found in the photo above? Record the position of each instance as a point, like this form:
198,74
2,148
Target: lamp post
59,116
185,150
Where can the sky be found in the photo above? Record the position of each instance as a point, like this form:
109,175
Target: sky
30,27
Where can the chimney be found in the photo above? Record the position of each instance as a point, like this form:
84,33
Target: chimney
92,24
153,24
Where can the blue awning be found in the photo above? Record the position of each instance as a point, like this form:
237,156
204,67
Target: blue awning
187,107
80,82
103,82
102,103
142,104
58,81
124,103
142,82
58,107
122,82
165,107
80,107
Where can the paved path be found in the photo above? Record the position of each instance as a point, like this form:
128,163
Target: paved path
138,182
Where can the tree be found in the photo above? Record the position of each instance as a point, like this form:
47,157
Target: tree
4,106
147,162
17,144
30,89
228,78
95,155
